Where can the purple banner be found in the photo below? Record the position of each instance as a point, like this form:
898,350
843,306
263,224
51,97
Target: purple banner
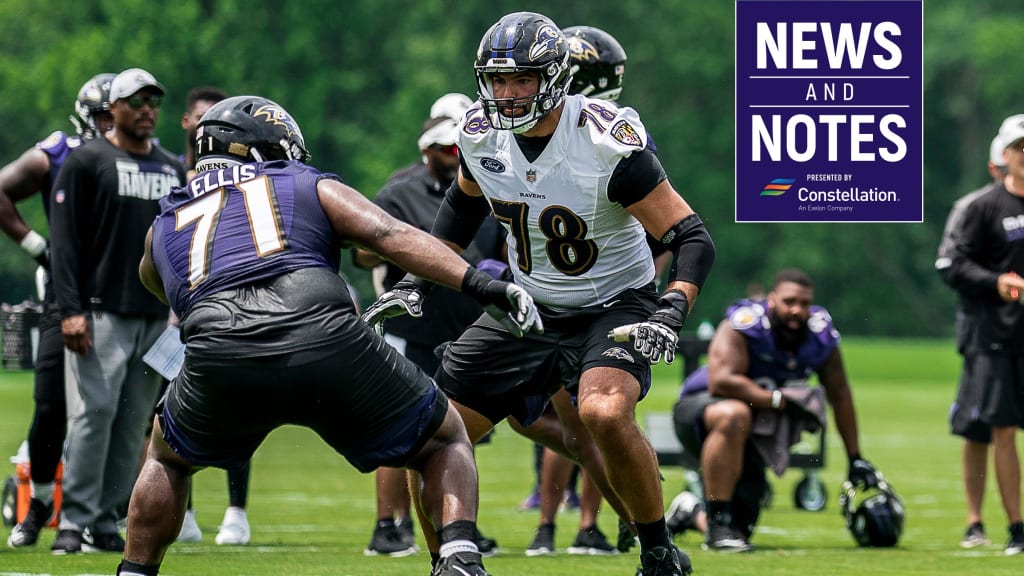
829,111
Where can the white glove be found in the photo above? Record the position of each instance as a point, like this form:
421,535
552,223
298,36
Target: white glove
522,316
403,298
659,334
651,339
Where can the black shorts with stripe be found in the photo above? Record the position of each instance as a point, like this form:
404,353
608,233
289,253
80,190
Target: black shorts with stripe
991,393
498,375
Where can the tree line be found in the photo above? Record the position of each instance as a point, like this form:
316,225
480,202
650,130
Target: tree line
360,76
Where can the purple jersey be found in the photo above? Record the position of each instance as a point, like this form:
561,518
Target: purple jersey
770,366
239,225
57,146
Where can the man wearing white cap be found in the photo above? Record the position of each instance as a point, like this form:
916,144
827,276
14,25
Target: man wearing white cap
413,195
105,197
982,257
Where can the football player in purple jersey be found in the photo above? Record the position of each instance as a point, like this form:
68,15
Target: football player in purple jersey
234,528
760,349
247,255
33,173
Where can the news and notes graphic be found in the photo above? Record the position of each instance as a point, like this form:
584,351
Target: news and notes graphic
829,105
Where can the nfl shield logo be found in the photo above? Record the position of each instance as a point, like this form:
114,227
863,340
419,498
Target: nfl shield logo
531,175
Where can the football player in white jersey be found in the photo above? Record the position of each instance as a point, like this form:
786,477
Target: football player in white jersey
575,185
598,64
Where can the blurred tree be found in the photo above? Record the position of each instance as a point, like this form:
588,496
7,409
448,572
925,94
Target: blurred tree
360,76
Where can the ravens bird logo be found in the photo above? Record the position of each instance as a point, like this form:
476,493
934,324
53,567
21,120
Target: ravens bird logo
547,40
581,50
278,117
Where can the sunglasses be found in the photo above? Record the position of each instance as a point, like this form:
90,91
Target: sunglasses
451,149
136,102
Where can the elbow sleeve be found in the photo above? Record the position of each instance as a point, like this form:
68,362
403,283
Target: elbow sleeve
692,249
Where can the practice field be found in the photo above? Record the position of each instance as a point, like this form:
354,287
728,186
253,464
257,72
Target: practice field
311,514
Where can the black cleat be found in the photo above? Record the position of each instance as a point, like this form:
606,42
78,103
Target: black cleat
591,542
723,538
102,542
543,541
663,561
487,546
67,542
389,540
26,533
460,564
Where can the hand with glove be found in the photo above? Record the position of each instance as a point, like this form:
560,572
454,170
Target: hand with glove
797,411
504,301
507,303
659,335
862,472
37,247
405,297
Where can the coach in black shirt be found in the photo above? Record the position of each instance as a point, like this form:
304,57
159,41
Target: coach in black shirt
413,195
986,263
104,199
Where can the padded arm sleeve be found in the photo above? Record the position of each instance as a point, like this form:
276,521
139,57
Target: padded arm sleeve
693,249
459,216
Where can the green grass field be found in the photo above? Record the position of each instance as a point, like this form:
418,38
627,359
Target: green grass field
311,514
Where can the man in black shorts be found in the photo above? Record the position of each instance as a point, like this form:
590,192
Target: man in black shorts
985,264
247,256
576,187
963,418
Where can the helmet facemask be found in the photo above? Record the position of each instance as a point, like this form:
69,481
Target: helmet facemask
523,42
552,89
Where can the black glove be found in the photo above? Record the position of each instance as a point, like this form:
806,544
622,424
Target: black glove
405,297
796,411
862,472
505,302
659,335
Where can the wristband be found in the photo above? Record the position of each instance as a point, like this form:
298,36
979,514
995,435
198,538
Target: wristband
776,399
33,243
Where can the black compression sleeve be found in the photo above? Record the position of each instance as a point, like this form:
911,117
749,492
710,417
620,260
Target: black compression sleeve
634,177
459,216
693,249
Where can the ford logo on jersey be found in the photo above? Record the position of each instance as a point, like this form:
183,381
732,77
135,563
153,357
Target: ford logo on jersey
492,165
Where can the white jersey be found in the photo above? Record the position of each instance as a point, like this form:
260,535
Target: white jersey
568,245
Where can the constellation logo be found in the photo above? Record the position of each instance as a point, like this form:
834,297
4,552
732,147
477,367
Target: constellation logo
828,111
778,187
